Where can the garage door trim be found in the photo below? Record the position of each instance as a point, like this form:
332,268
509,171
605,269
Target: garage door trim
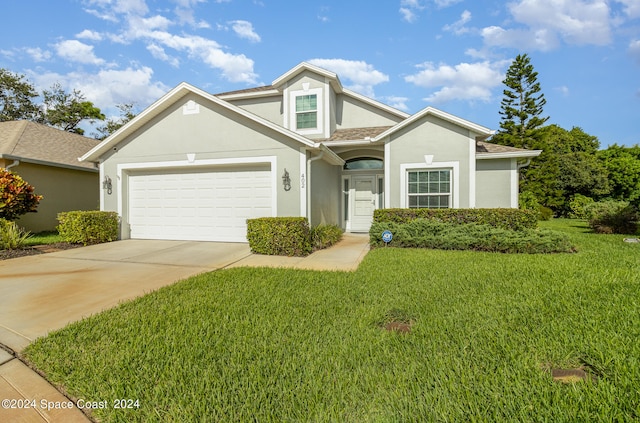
123,168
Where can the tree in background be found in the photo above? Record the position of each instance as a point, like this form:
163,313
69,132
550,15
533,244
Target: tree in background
111,125
67,110
623,166
16,97
522,105
16,196
567,166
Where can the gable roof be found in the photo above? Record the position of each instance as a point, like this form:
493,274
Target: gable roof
36,143
482,131
279,84
175,95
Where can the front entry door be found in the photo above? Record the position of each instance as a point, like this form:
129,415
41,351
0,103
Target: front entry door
364,202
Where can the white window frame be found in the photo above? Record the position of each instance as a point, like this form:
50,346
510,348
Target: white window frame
454,167
431,194
318,92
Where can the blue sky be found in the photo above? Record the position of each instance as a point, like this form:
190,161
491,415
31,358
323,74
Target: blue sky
449,54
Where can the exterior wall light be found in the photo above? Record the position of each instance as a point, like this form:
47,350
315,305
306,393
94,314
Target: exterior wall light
106,184
286,180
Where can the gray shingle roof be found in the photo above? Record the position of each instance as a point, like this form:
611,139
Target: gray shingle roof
488,148
24,140
247,90
356,134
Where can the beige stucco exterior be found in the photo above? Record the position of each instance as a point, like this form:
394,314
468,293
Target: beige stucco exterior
62,189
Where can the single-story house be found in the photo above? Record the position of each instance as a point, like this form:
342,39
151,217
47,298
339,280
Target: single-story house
47,158
195,166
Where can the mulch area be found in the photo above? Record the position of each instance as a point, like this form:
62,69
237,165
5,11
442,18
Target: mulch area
38,249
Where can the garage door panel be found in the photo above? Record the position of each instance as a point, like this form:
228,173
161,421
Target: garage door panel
208,204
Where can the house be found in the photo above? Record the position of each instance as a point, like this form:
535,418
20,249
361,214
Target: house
47,158
195,166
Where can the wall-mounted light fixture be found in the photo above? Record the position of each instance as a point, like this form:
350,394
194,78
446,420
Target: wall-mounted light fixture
106,184
286,181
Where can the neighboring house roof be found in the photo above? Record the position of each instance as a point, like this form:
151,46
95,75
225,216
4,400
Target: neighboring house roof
175,95
487,150
36,143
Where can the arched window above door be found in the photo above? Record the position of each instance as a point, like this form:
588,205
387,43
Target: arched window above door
362,163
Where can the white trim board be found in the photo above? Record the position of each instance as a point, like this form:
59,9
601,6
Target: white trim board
272,160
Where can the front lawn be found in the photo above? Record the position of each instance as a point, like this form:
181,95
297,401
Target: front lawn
289,345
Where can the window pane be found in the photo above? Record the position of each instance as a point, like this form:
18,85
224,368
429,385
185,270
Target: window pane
444,187
423,188
306,103
306,120
413,177
365,163
423,176
413,188
444,176
413,201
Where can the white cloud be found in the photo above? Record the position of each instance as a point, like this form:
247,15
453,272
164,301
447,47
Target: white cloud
154,33
546,22
408,14
399,103
38,55
445,3
631,8
87,34
458,27
108,87
244,29
75,51
159,53
464,81
563,90
363,76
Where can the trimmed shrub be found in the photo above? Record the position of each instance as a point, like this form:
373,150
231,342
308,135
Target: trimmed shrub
623,220
324,236
580,205
12,237
280,236
88,227
424,233
16,196
545,213
513,219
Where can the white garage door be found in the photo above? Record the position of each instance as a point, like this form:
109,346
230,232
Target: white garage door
203,205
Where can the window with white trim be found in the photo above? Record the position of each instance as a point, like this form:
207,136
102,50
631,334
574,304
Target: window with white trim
429,188
307,111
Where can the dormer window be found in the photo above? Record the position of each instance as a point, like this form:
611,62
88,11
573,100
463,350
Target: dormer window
307,111
305,114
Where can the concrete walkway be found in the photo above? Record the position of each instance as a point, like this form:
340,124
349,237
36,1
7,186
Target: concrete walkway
42,293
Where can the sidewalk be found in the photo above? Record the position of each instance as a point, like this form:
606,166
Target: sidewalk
27,397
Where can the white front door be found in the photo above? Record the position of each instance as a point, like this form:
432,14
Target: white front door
363,202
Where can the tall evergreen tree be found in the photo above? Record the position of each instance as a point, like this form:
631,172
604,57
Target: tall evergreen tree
522,105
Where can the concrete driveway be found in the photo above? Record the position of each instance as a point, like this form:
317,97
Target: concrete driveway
46,292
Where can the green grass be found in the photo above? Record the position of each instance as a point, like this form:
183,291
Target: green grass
43,238
289,345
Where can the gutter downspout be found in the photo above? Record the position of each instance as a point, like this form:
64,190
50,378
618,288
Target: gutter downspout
312,159
525,164
15,163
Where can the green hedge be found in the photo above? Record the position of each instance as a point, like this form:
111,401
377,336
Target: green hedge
88,227
513,219
281,236
324,236
424,233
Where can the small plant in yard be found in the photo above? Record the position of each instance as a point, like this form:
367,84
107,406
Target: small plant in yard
16,196
12,237
615,218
